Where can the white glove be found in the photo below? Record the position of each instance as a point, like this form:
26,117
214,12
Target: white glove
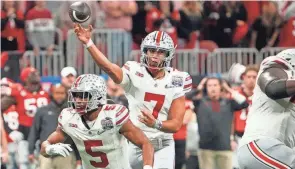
16,136
147,167
58,149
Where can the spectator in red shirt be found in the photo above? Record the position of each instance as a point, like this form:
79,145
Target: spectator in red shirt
139,22
40,28
12,27
240,117
180,136
163,17
287,34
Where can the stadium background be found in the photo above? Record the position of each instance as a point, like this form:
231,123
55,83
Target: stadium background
211,36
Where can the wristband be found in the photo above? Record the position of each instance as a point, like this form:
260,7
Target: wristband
158,124
147,167
89,43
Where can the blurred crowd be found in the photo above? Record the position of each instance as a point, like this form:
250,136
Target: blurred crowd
191,24
206,140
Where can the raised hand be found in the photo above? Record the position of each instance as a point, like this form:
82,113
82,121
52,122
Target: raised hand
83,34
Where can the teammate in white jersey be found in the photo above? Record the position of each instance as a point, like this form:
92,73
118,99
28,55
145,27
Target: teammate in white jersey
263,143
99,130
152,87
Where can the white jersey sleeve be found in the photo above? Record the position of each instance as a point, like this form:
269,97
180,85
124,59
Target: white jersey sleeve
126,81
122,116
186,84
63,118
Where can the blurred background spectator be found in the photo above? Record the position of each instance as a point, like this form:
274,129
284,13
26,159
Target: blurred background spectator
139,22
12,27
163,17
64,23
40,28
68,76
4,148
211,37
180,136
215,114
115,93
266,28
239,120
192,143
118,15
190,23
45,122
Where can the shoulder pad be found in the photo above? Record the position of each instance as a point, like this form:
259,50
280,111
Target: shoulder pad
65,115
122,115
131,65
272,61
187,82
111,107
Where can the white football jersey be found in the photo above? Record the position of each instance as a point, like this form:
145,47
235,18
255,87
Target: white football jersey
101,146
144,92
267,118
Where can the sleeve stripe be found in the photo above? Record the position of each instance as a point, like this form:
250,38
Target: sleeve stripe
188,78
121,111
126,67
122,119
59,124
282,63
187,86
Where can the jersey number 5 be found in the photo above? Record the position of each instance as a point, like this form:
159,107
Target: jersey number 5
155,97
89,144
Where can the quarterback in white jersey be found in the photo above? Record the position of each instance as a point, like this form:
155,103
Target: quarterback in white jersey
99,130
263,143
155,92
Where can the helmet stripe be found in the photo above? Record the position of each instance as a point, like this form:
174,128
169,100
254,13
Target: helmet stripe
159,37
77,81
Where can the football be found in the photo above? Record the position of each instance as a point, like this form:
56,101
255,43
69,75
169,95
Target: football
79,12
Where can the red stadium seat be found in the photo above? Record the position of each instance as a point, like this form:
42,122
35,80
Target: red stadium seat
208,44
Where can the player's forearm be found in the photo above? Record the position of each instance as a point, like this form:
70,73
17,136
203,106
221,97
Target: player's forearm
171,126
148,154
113,70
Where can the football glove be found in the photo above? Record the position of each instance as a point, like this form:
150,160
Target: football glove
58,149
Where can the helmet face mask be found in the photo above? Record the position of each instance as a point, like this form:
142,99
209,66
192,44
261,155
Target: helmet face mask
155,58
88,93
157,50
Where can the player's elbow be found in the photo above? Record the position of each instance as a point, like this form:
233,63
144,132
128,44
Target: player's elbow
176,127
114,72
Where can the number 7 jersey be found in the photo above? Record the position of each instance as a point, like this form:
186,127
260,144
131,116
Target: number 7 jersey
155,95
